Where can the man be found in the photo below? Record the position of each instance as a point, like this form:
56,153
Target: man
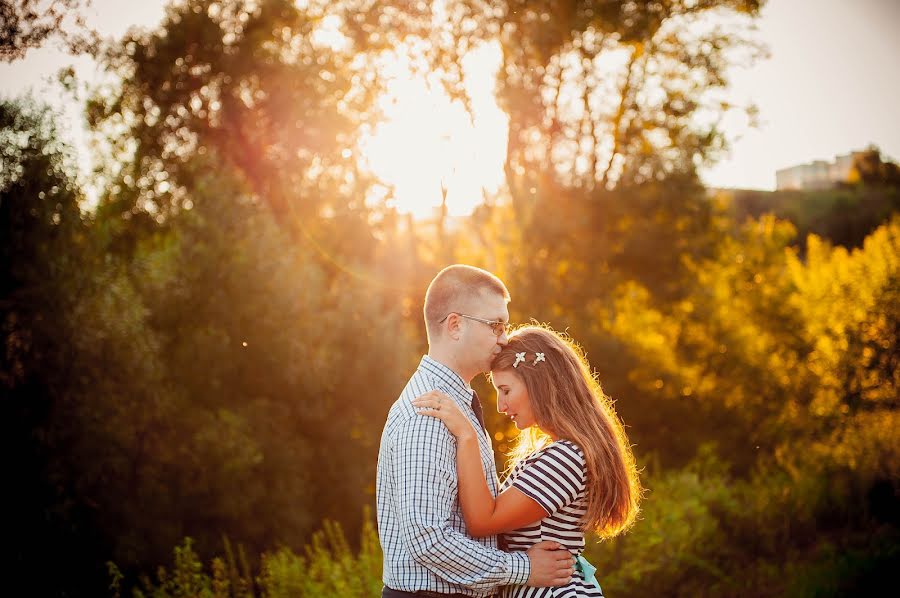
427,551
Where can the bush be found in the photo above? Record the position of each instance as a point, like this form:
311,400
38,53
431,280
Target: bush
328,566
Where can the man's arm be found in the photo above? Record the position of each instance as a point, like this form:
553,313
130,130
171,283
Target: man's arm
425,482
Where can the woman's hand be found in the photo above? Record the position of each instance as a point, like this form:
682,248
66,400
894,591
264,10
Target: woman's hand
437,404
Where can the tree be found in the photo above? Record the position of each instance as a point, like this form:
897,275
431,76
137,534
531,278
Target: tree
27,24
245,87
42,247
271,302
614,92
599,94
871,170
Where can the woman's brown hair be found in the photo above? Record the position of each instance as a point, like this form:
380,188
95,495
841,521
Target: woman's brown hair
567,399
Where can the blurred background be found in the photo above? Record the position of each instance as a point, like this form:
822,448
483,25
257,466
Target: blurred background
218,221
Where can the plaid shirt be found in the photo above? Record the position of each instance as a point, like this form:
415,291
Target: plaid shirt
420,523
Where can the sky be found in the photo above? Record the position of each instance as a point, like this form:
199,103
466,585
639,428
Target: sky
831,85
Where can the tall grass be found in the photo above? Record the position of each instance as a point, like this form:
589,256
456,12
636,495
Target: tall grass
327,566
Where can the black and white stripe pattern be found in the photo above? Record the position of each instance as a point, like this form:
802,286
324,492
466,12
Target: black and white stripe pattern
554,478
420,524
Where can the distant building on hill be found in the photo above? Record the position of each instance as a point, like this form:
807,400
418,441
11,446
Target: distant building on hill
819,174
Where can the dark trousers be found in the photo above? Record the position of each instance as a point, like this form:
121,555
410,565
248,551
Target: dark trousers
387,592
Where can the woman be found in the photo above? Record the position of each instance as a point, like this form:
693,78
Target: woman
571,470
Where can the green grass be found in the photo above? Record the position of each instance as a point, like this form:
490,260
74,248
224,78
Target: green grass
328,566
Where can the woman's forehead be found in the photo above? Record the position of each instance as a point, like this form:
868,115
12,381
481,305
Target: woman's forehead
500,377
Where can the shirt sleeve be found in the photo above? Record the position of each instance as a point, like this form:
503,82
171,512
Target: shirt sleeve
426,491
554,478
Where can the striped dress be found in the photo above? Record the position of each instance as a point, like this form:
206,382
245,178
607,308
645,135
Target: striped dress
555,478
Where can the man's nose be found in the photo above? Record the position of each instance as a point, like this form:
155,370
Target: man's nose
503,340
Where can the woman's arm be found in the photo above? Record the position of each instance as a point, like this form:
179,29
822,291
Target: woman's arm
484,515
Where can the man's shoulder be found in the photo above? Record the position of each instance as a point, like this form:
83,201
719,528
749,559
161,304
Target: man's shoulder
419,383
403,422
402,410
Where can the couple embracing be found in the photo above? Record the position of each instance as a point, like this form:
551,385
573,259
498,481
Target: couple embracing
443,516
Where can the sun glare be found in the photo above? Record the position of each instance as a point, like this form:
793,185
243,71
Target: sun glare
427,142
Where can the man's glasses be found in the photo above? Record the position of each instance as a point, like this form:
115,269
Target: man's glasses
497,327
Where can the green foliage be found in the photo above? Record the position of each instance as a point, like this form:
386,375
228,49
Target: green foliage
208,376
28,24
871,170
648,124
212,351
844,216
239,386
44,249
669,549
576,117
328,566
237,87
705,532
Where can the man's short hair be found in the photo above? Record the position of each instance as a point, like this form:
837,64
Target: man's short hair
452,288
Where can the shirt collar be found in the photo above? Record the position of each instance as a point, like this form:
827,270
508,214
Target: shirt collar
448,377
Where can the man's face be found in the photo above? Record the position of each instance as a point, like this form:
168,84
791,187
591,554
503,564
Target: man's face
479,339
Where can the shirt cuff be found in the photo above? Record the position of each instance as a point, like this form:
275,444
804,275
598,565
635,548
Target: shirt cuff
519,567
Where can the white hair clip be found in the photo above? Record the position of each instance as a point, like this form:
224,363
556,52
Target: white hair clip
540,357
520,358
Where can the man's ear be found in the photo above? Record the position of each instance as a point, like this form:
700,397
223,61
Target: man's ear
453,325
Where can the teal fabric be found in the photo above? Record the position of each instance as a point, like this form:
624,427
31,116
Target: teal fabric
588,570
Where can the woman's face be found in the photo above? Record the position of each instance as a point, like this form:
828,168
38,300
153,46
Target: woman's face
512,398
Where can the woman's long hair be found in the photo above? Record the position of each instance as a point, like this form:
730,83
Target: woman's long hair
566,398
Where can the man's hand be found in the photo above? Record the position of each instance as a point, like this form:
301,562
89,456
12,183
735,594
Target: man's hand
551,565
